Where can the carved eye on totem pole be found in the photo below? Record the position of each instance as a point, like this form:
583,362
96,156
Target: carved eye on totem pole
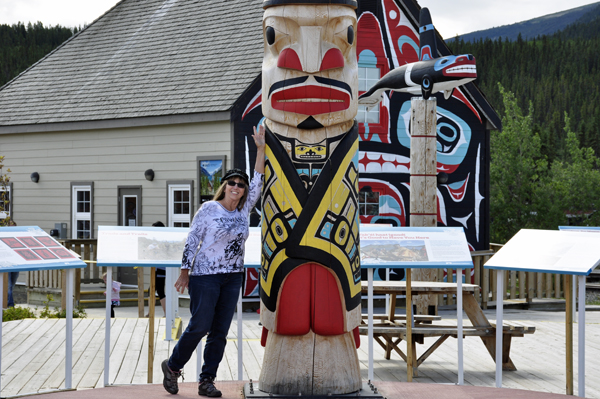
309,69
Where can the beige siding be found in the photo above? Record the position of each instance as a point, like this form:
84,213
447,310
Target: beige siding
109,158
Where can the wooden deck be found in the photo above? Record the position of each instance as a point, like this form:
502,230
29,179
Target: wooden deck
33,355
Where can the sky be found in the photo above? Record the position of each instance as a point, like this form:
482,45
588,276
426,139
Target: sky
450,17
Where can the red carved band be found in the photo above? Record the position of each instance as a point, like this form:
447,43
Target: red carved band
310,300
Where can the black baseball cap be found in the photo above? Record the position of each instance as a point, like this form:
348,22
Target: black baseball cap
233,173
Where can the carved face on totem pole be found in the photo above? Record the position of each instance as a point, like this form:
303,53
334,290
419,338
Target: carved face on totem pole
310,274
309,72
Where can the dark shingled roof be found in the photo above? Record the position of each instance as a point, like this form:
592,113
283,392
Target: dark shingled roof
143,58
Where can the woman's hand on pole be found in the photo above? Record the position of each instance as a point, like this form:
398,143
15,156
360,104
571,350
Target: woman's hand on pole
182,281
259,140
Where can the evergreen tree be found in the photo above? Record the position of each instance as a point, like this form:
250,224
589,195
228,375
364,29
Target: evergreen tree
21,47
516,172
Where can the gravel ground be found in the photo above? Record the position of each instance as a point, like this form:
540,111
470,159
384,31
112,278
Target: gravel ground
592,297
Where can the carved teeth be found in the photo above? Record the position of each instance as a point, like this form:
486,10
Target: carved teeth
382,163
463,69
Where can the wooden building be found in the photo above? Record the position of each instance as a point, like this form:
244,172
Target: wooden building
130,120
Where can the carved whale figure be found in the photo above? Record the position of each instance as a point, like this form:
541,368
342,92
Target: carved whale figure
429,75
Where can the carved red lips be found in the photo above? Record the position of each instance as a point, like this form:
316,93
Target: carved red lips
311,100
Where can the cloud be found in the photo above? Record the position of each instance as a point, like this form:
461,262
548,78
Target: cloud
464,16
68,13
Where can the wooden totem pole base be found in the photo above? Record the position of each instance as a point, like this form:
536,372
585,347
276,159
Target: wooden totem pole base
310,365
423,184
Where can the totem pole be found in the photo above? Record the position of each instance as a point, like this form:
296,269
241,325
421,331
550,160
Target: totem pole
310,275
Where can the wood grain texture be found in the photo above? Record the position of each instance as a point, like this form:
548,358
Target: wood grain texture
423,182
336,366
288,364
310,365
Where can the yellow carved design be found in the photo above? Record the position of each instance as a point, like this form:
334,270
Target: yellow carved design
337,194
268,170
269,241
309,152
342,233
278,230
350,245
286,199
275,195
273,266
269,212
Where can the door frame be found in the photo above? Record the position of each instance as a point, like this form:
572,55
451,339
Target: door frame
129,191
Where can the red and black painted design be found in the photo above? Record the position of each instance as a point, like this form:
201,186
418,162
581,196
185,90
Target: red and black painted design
13,242
27,255
390,30
45,253
47,241
62,253
30,242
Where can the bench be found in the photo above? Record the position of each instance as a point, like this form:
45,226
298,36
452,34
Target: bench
419,319
393,334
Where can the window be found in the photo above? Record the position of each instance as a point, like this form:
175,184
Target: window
81,210
5,201
368,203
366,79
179,204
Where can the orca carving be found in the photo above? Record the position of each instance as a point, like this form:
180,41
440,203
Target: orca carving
429,75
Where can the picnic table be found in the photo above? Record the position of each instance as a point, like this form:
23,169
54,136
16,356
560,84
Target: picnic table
391,328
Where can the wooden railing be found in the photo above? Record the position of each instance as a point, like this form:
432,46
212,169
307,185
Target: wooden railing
519,285
523,286
53,278
87,250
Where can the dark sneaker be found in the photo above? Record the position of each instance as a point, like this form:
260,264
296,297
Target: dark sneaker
170,378
206,387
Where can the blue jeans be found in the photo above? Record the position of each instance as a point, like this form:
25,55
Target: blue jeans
12,281
213,299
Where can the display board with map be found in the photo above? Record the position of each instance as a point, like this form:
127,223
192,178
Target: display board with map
30,248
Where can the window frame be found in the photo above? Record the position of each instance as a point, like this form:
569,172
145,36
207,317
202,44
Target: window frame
364,203
172,186
366,68
77,216
3,213
375,128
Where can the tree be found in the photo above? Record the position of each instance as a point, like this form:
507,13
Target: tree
575,183
517,170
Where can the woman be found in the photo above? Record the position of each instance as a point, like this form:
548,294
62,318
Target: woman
211,270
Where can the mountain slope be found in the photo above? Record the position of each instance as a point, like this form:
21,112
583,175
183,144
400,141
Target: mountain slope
545,25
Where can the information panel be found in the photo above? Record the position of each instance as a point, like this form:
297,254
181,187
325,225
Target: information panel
31,248
141,246
414,247
549,251
389,247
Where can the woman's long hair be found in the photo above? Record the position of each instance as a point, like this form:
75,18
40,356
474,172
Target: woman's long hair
220,194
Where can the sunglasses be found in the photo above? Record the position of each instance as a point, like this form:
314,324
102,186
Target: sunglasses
232,183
